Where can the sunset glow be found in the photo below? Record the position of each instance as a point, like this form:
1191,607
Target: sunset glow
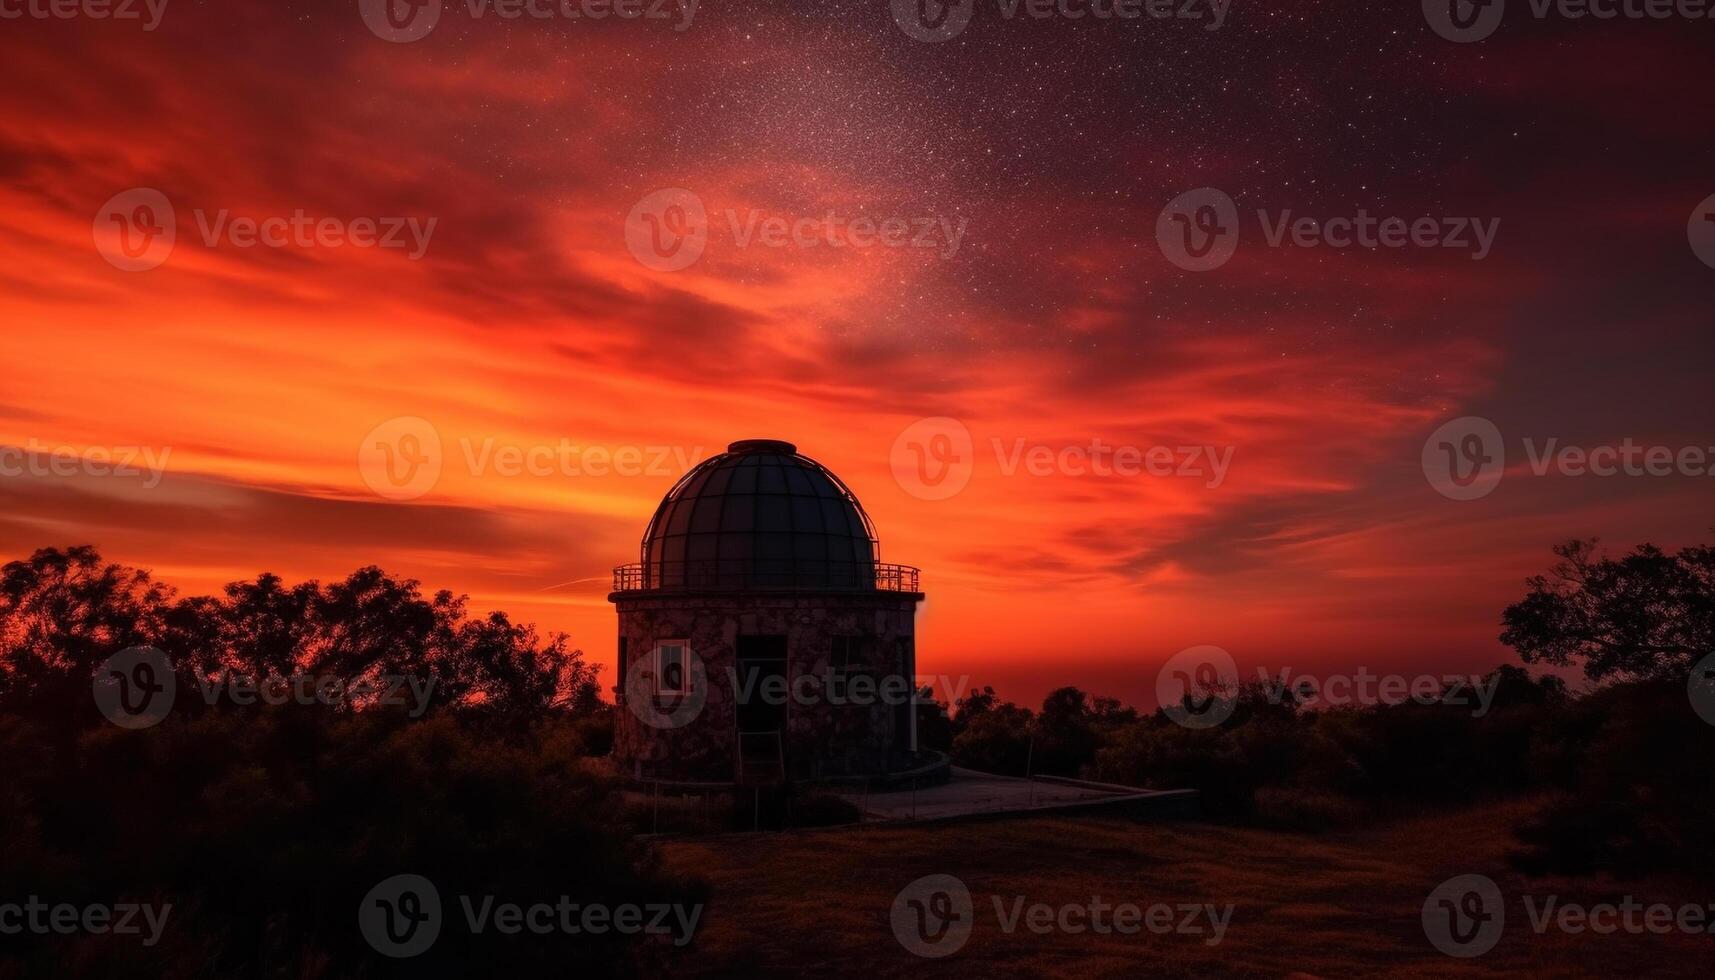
528,334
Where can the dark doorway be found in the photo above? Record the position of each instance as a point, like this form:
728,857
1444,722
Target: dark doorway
905,661
761,712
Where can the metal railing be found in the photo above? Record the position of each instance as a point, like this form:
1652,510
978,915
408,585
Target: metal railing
763,574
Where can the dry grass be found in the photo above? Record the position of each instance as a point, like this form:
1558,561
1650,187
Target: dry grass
1337,905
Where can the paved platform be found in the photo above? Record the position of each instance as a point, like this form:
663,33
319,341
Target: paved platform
970,793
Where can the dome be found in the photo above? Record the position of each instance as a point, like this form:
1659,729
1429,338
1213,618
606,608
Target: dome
760,515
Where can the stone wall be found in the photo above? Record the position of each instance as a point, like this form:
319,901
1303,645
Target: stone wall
836,722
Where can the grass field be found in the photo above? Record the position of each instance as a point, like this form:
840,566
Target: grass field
1337,905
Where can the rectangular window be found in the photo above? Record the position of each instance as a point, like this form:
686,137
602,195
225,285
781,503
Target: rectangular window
624,668
672,668
852,654
841,658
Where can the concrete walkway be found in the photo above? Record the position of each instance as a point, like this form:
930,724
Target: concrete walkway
971,793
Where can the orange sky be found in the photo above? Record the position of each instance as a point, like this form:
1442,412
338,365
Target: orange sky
260,371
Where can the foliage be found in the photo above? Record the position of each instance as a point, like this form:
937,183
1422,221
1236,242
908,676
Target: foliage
1645,615
63,612
1634,792
264,825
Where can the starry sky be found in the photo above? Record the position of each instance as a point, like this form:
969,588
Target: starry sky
529,319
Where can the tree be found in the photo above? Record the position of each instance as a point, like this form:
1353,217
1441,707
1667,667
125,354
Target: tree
1066,736
1646,615
63,612
992,735
934,724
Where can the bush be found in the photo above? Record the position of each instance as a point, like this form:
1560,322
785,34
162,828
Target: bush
265,828
1313,811
1640,796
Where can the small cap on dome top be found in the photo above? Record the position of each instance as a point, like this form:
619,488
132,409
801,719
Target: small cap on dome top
762,446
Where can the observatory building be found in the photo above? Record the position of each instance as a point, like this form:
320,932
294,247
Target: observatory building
761,639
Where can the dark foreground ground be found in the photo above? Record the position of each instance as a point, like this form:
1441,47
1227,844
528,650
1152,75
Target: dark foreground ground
1336,905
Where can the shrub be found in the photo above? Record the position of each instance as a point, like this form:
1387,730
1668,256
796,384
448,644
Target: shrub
1313,811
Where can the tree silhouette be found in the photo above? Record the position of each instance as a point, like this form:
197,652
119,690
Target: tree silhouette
1646,615
64,612
264,824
